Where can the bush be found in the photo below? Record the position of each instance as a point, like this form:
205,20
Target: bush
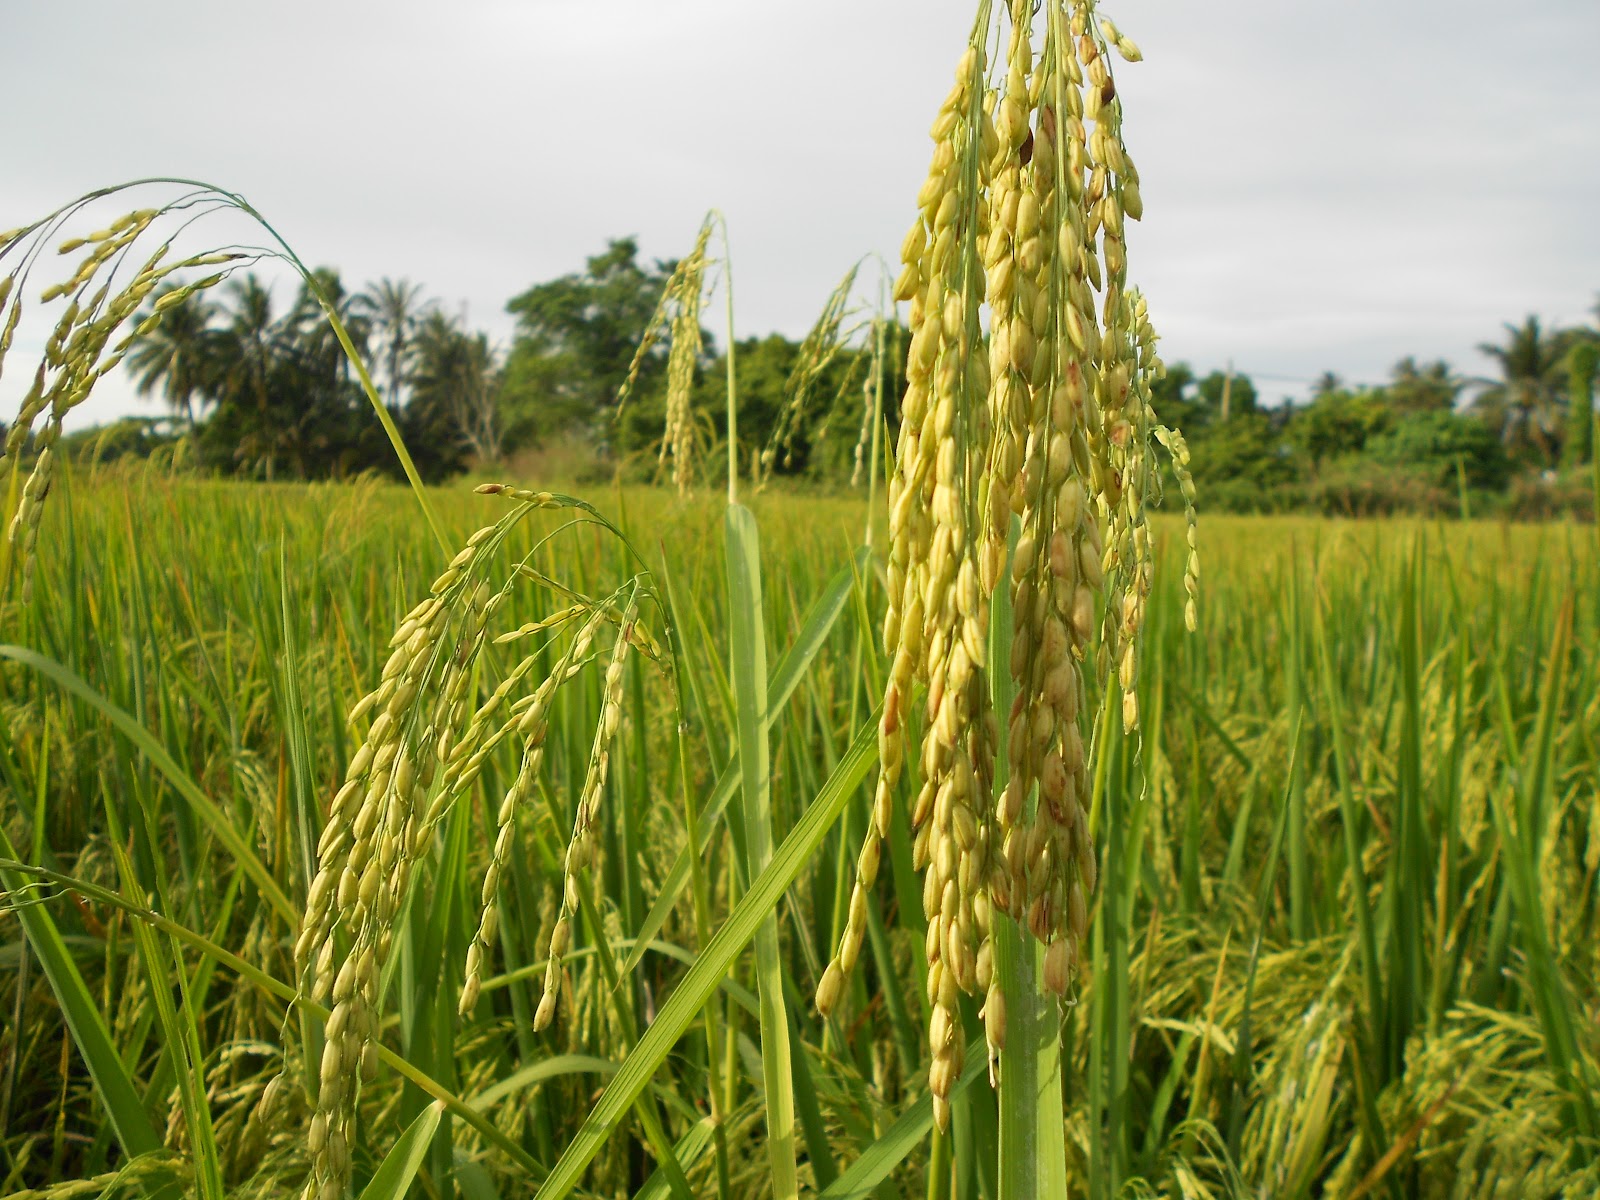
131,437
1550,497
1243,456
1430,445
1358,487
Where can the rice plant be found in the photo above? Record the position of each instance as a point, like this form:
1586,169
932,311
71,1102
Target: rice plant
502,852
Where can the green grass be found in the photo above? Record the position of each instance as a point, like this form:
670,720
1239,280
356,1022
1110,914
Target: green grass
1344,944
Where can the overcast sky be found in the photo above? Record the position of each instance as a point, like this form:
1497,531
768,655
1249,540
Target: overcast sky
1327,185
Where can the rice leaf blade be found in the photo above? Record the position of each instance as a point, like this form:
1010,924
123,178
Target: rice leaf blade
399,1167
748,655
684,1004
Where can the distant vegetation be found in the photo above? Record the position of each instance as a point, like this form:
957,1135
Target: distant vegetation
265,393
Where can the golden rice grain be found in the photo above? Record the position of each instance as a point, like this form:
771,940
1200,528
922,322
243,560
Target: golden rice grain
1042,419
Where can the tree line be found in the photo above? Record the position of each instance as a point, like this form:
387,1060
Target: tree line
1430,439
265,391
270,394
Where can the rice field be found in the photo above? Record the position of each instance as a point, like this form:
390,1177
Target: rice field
942,836
1342,942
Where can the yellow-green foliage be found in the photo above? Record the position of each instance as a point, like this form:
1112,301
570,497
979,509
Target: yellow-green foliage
1450,669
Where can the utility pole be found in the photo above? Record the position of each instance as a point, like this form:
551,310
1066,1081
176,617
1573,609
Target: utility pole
1227,389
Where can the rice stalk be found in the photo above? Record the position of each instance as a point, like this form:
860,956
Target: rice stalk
826,340
584,848
80,349
1026,399
678,315
530,723
383,818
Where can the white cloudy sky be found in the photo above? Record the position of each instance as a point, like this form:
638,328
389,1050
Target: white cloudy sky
1328,185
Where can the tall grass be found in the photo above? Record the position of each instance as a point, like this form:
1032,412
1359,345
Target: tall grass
1407,712
559,938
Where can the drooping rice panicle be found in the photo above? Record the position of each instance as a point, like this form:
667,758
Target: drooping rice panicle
584,847
936,627
822,346
677,314
683,357
871,385
1039,422
79,350
531,724
382,820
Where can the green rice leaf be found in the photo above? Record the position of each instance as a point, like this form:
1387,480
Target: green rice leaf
399,1166
683,1006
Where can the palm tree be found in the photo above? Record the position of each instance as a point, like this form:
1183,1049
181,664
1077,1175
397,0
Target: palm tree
177,357
307,328
1424,387
246,343
1527,397
1326,384
247,356
456,384
392,309
319,404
